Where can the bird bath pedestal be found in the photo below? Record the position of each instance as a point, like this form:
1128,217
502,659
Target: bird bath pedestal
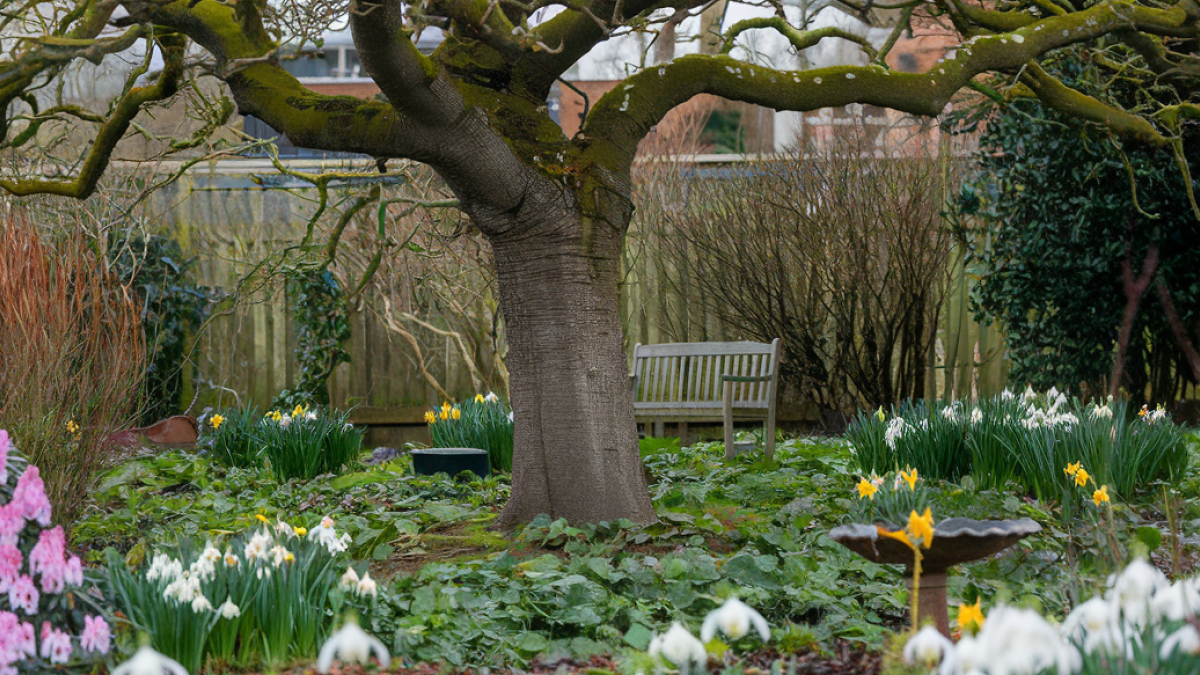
955,541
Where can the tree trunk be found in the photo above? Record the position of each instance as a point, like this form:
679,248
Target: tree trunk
1134,290
575,453
1190,355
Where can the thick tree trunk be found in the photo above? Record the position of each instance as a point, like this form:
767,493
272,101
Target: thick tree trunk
575,452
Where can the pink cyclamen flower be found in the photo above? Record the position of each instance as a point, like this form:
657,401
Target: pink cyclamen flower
96,636
10,565
22,594
30,496
56,645
5,446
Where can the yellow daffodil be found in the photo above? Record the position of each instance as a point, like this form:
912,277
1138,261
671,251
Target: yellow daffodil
479,398
430,417
455,413
262,518
288,557
300,531
920,527
216,421
298,411
970,617
918,533
1072,469
910,477
1082,478
444,414
867,489
446,407
1100,496
879,413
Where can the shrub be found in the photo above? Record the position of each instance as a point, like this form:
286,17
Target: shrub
484,422
302,444
171,309
840,253
55,605
73,357
270,596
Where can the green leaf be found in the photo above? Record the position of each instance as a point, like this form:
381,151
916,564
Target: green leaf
638,637
1149,536
350,480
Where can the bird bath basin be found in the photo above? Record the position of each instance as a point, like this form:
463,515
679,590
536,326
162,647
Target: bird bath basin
955,541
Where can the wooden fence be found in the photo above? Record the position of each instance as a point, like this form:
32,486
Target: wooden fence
246,352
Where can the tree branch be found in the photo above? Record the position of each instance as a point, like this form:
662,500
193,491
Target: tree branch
624,115
112,131
799,39
406,77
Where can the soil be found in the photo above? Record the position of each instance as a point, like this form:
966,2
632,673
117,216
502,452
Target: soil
844,659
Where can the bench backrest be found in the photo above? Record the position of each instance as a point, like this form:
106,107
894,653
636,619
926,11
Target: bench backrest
688,374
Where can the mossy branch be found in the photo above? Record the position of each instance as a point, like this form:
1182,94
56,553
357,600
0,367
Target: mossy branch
1057,95
800,39
408,79
623,116
111,131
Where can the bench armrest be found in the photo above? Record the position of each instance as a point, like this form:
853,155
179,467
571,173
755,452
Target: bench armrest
740,378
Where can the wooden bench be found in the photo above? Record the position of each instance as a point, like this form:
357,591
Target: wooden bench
691,381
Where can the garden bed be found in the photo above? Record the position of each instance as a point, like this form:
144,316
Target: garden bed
456,595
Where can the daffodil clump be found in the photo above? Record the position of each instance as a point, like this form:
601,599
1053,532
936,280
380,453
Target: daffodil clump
1143,623
303,442
267,596
889,499
484,422
1026,438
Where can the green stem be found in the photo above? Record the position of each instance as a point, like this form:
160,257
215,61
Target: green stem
916,588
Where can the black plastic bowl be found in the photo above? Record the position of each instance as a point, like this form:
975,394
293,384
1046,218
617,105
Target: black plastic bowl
453,461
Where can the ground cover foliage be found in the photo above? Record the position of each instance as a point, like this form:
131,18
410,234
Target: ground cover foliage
453,590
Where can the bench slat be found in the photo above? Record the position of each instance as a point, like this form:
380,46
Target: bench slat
697,405
703,348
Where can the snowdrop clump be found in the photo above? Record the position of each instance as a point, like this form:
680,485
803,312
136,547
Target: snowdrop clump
244,602
679,648
1143,623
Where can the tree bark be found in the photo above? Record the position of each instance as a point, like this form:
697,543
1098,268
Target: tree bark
1177,329
575,442
1134,290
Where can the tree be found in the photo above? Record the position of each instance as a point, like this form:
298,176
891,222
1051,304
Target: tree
554,209
1085,271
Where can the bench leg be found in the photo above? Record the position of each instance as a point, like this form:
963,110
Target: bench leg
769,432
658,429
727,409
683,431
